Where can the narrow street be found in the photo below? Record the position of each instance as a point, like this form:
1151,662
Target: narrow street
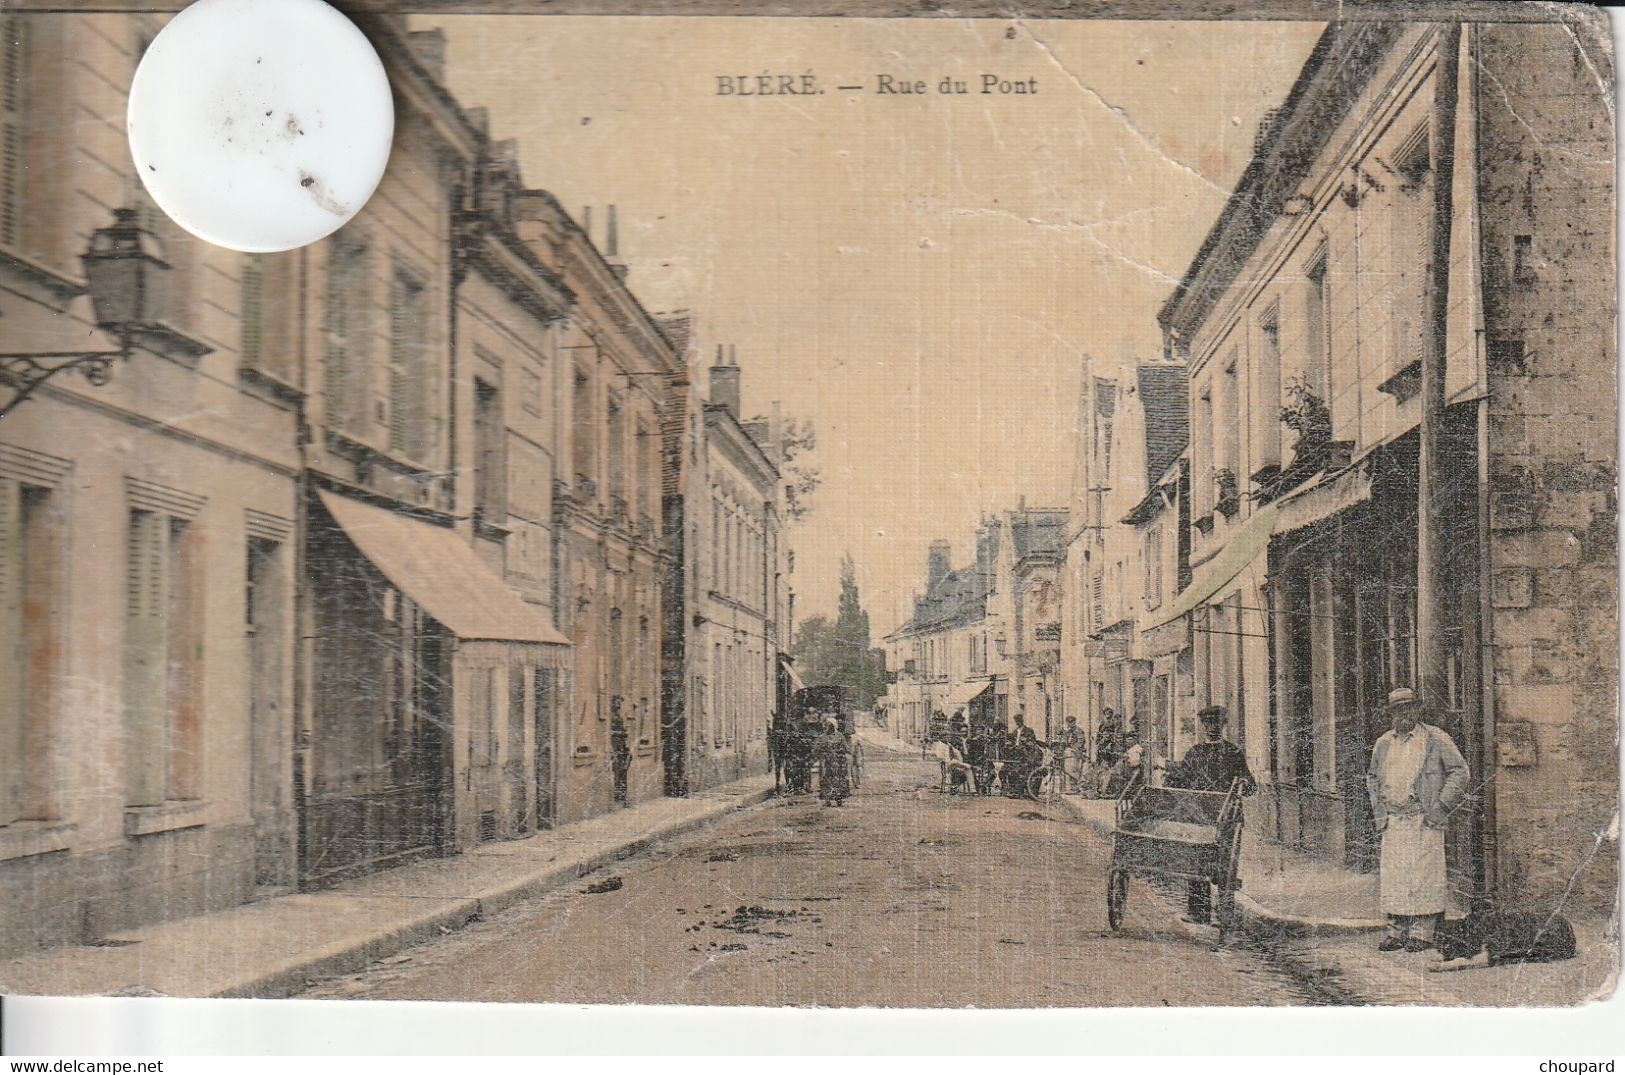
903,898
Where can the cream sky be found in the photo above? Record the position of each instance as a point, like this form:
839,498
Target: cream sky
925,277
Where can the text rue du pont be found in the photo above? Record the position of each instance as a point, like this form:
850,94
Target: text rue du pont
807,84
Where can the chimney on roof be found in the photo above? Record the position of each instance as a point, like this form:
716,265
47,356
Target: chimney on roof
586,221
725,384
936,563
612,243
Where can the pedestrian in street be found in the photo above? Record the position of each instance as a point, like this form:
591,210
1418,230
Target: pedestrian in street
1023,755
1214,764
1416,779
834,755
1070,749
958,731
981,754
620,750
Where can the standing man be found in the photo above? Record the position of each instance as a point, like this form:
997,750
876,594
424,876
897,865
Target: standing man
1417,777
620,750
1214,764
1069,746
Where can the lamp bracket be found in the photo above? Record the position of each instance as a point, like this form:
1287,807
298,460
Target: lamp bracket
25,373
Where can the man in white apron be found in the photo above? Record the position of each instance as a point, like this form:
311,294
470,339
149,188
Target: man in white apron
1417,777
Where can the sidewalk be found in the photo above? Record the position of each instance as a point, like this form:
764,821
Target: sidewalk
270,948
1323,918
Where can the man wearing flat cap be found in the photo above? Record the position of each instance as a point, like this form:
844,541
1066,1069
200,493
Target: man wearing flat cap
1211,765
1417,777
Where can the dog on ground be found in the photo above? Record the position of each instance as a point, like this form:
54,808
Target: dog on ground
1492,937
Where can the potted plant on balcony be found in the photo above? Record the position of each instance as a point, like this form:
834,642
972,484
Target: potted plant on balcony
1307,415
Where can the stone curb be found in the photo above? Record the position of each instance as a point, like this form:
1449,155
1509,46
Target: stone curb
353,956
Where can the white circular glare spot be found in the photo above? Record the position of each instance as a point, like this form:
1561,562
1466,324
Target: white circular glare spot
260,125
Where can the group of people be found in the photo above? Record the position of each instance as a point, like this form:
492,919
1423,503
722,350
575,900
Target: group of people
814,747
978,756
1417,778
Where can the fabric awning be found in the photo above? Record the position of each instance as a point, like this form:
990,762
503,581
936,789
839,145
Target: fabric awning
790,672
1308,506
1240,550
962,695
440,571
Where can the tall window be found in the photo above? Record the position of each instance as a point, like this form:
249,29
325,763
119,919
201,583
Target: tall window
1318,359
410,388
490,463
617,450
1411,245
161,656
347,365
251,319
717,694
583,427
1204,450
1153,566
1267,430
1229,434
28,638
14,83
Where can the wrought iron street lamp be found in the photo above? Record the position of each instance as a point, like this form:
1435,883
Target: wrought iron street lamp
128,281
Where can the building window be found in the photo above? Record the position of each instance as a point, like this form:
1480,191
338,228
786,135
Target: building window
490,464
162,646
1229,433
717,695
1153,567
617,452
347,358
14,84
584,428
409,385
29,637
1268,373
1317,331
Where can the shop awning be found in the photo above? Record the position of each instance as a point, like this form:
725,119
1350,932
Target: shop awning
440,571
1309,506
963,694
790,673
1240,550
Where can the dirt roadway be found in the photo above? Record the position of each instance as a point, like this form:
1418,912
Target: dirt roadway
903,898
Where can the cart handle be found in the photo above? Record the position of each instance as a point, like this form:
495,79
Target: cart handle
1125,795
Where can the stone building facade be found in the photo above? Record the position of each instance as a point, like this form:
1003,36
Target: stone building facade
146,560
736,622
617,368
1306,323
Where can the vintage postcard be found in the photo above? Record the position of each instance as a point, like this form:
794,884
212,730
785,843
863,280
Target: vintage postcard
902,506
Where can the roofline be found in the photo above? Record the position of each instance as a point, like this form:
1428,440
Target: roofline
1271,170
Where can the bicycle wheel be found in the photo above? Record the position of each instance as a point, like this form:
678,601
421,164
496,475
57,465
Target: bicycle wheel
1116,897
1041,786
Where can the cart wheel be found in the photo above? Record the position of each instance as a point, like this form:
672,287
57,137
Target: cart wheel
1226,911
1116,897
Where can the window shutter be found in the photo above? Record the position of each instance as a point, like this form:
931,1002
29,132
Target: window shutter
252,311
13,129
398,403
146,665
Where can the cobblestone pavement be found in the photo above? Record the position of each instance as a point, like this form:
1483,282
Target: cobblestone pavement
904,898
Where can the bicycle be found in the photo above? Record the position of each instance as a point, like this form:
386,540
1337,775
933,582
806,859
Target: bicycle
1047,783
